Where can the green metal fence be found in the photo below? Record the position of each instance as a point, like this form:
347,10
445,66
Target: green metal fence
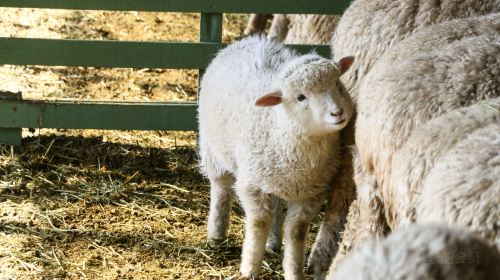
16,113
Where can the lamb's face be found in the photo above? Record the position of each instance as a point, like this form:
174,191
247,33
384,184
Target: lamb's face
310,94
320,111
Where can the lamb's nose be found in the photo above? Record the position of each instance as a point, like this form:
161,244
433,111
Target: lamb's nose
337,114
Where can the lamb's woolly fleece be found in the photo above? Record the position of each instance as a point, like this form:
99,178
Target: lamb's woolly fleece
256,144
309,73
368,28
423,252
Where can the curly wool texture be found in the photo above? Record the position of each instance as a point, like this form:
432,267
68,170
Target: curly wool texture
404,102
429,82
447,66
423,252
368,28
449,171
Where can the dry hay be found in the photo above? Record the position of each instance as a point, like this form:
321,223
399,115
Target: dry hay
93,204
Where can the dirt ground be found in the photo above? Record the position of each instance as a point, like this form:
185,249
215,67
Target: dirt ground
93,204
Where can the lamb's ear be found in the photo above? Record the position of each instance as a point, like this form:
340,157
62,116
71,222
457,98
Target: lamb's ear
345,63
270,99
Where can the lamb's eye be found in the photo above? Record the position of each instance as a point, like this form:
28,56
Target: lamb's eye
301,97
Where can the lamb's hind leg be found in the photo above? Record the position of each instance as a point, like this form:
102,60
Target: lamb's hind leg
221,198
273,243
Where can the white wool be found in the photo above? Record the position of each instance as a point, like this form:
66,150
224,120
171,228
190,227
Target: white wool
420,78
440,69
368,28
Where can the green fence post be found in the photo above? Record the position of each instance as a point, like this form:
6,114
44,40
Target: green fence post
10,136
210,32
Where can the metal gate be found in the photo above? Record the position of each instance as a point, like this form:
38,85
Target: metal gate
16,113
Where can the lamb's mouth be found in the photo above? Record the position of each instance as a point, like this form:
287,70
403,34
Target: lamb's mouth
341,121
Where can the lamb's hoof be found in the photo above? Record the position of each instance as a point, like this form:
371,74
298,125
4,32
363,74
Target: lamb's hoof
215,243
273,248
248,274
245,278
318,265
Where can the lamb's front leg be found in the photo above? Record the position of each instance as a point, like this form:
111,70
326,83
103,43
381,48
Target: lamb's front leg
298,218
258,208
341,196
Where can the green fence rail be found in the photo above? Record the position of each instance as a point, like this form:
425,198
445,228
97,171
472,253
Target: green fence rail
16,113
191,6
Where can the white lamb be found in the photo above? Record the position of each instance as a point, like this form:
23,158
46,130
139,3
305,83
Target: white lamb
422,252
270,122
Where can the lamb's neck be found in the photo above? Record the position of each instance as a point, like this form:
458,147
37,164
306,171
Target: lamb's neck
282,131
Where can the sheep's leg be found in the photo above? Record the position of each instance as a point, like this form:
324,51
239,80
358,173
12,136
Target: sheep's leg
273,243
256,23
279,28
297,220
326,244
259,210
221,198
341,197
371,206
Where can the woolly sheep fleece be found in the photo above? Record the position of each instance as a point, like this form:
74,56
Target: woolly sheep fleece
368,28
449,171
417,252
371,206
409,93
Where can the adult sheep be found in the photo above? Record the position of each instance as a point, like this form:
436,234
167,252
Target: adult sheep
407,93
368,28
287,150
370,205
422,252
